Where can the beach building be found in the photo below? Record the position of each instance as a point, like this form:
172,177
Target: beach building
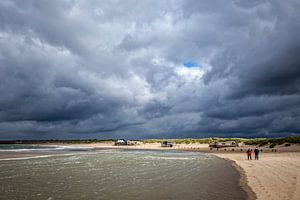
120,142
126,142
224,144
167,144
133,142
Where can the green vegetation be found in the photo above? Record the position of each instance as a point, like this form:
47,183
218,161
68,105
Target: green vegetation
181,141
252,141
272,142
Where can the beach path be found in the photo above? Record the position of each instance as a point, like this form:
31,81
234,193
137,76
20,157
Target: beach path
276,176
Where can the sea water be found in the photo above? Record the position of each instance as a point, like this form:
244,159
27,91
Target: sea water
34,148
121,174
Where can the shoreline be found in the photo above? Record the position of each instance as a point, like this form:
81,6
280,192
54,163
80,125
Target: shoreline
276,174
243,182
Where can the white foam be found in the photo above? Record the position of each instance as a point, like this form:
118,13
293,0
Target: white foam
32,157
52,148
167,158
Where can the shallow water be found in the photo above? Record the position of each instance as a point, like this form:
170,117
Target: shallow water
40,148
120,174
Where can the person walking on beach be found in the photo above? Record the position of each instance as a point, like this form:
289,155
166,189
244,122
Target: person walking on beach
256,152
249,152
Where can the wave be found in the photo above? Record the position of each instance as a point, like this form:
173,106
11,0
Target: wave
32,157
52,148
167,158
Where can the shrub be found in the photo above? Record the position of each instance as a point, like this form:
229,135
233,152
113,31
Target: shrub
272,145
263,143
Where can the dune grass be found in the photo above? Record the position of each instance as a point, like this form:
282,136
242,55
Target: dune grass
248,141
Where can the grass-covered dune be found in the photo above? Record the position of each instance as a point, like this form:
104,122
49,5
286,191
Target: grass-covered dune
248,141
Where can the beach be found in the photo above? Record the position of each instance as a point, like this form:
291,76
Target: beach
276,175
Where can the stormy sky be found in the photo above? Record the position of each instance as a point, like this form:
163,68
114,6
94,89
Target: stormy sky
149,69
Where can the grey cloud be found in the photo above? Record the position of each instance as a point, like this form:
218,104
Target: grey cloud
108,69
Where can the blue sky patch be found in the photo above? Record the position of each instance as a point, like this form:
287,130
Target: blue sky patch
190,63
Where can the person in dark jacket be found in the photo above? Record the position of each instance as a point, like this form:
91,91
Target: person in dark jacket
249,152
256,152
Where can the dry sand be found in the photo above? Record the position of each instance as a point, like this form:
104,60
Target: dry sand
150,146
274,176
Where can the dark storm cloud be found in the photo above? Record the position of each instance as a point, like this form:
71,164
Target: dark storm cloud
108,69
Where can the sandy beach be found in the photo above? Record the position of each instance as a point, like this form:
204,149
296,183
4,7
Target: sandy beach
275,176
